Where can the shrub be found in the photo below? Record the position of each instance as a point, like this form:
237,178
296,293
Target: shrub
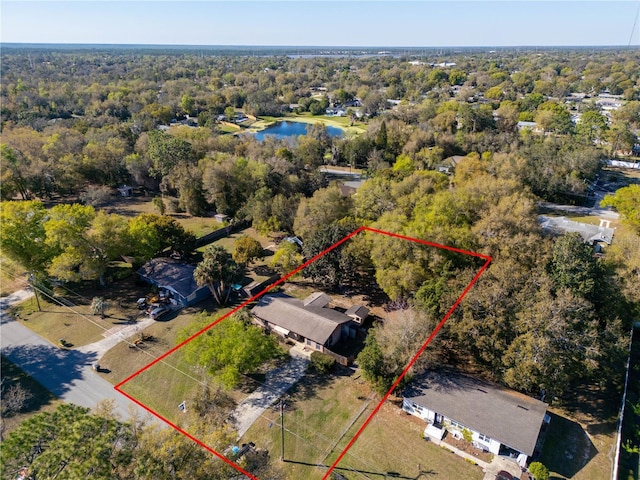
539,471
322,363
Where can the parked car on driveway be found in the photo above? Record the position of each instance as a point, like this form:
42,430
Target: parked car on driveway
158,312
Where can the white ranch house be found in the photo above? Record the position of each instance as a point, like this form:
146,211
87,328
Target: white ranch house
500,421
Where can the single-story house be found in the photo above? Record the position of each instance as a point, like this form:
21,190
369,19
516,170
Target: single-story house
175,277
499,420
533,126
449,164
308,321
591,234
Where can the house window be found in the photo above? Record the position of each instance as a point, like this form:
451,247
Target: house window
483,438
456,424
417,407
308,342
318,346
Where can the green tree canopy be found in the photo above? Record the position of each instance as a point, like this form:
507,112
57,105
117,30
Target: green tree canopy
287,258
232,348
167,151
326,206
626,201
573,266
217,270
150,234
22,236
247,249
68,443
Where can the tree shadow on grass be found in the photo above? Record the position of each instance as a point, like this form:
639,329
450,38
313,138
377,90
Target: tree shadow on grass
55,369
567,448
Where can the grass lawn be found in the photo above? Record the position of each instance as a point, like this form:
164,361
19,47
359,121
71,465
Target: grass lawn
41,400
227,127
74,320
392,444
12,277
77,325
323,414
166,384
580,442
318,409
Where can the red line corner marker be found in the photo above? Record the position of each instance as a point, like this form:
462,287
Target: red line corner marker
486,258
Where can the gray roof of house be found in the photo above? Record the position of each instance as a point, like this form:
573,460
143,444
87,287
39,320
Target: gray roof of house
317,299
170,273
357,311
314,323
589,233
510,417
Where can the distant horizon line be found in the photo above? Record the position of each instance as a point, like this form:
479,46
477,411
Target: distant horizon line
302,47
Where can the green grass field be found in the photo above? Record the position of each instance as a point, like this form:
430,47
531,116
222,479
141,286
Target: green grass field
322,416
166,384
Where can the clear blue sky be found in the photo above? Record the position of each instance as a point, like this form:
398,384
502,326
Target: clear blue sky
330,23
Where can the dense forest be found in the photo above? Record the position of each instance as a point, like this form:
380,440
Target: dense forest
547,314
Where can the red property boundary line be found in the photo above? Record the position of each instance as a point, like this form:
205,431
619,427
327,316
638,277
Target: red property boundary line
486,258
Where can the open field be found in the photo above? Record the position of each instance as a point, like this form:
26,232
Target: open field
40,399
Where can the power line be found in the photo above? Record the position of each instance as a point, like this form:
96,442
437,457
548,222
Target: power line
85,317
635,22
315,435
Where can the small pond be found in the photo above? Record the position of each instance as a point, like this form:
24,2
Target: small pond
289,129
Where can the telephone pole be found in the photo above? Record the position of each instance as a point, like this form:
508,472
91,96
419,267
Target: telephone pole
282,427
35,290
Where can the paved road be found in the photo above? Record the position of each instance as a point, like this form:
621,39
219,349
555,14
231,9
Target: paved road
68,374
595,211
337,171
277,383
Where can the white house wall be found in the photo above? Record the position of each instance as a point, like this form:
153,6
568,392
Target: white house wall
492,445
418,411
429,416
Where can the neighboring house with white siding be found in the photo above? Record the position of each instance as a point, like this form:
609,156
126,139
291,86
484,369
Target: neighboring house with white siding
499,420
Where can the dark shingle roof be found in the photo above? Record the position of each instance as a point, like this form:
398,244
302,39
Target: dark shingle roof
169,273
357,311
317,299
510,417
314,323
589,233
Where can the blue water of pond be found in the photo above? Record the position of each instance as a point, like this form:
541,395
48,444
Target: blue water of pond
291,129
